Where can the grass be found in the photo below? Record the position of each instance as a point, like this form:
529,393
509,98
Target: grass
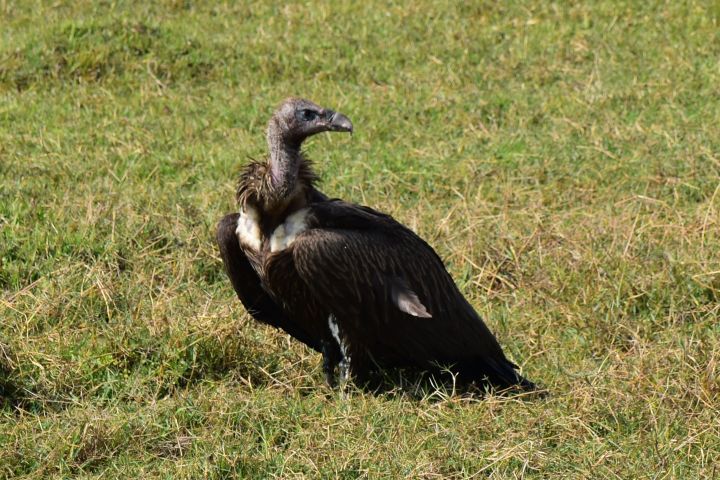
563,158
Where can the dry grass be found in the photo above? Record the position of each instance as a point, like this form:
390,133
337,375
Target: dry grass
562,158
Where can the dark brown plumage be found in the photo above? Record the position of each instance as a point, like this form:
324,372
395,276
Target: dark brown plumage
344,279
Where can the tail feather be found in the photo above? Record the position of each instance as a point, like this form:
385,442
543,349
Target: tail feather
502,374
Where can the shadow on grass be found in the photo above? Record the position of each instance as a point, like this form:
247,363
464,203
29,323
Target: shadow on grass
438,385
14,395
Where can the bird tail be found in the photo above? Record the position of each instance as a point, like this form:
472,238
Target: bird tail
503,374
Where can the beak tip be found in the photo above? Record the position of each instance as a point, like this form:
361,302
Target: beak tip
341,123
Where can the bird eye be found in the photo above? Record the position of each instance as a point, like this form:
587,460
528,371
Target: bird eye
308,115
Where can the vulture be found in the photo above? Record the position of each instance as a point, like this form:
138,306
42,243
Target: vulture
348,281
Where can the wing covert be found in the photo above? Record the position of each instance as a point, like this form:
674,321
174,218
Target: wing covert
359,261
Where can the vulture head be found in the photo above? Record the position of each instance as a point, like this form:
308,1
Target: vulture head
297,118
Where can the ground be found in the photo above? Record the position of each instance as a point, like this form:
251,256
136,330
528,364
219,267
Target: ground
563,159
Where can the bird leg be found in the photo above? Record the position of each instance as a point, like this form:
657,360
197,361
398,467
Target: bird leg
344,370
342,358
331,358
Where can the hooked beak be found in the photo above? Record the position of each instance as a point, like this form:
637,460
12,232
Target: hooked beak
339,123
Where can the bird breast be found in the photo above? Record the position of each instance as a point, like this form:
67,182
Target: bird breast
250,234
248,229
286,233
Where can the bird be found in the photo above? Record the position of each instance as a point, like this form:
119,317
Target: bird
348,281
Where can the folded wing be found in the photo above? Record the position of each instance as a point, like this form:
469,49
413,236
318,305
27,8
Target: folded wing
387,286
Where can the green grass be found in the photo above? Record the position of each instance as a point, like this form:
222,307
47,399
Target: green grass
564,160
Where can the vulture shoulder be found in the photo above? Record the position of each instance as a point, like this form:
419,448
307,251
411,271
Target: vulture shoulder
248,286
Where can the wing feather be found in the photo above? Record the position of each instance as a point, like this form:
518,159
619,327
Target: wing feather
383,279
